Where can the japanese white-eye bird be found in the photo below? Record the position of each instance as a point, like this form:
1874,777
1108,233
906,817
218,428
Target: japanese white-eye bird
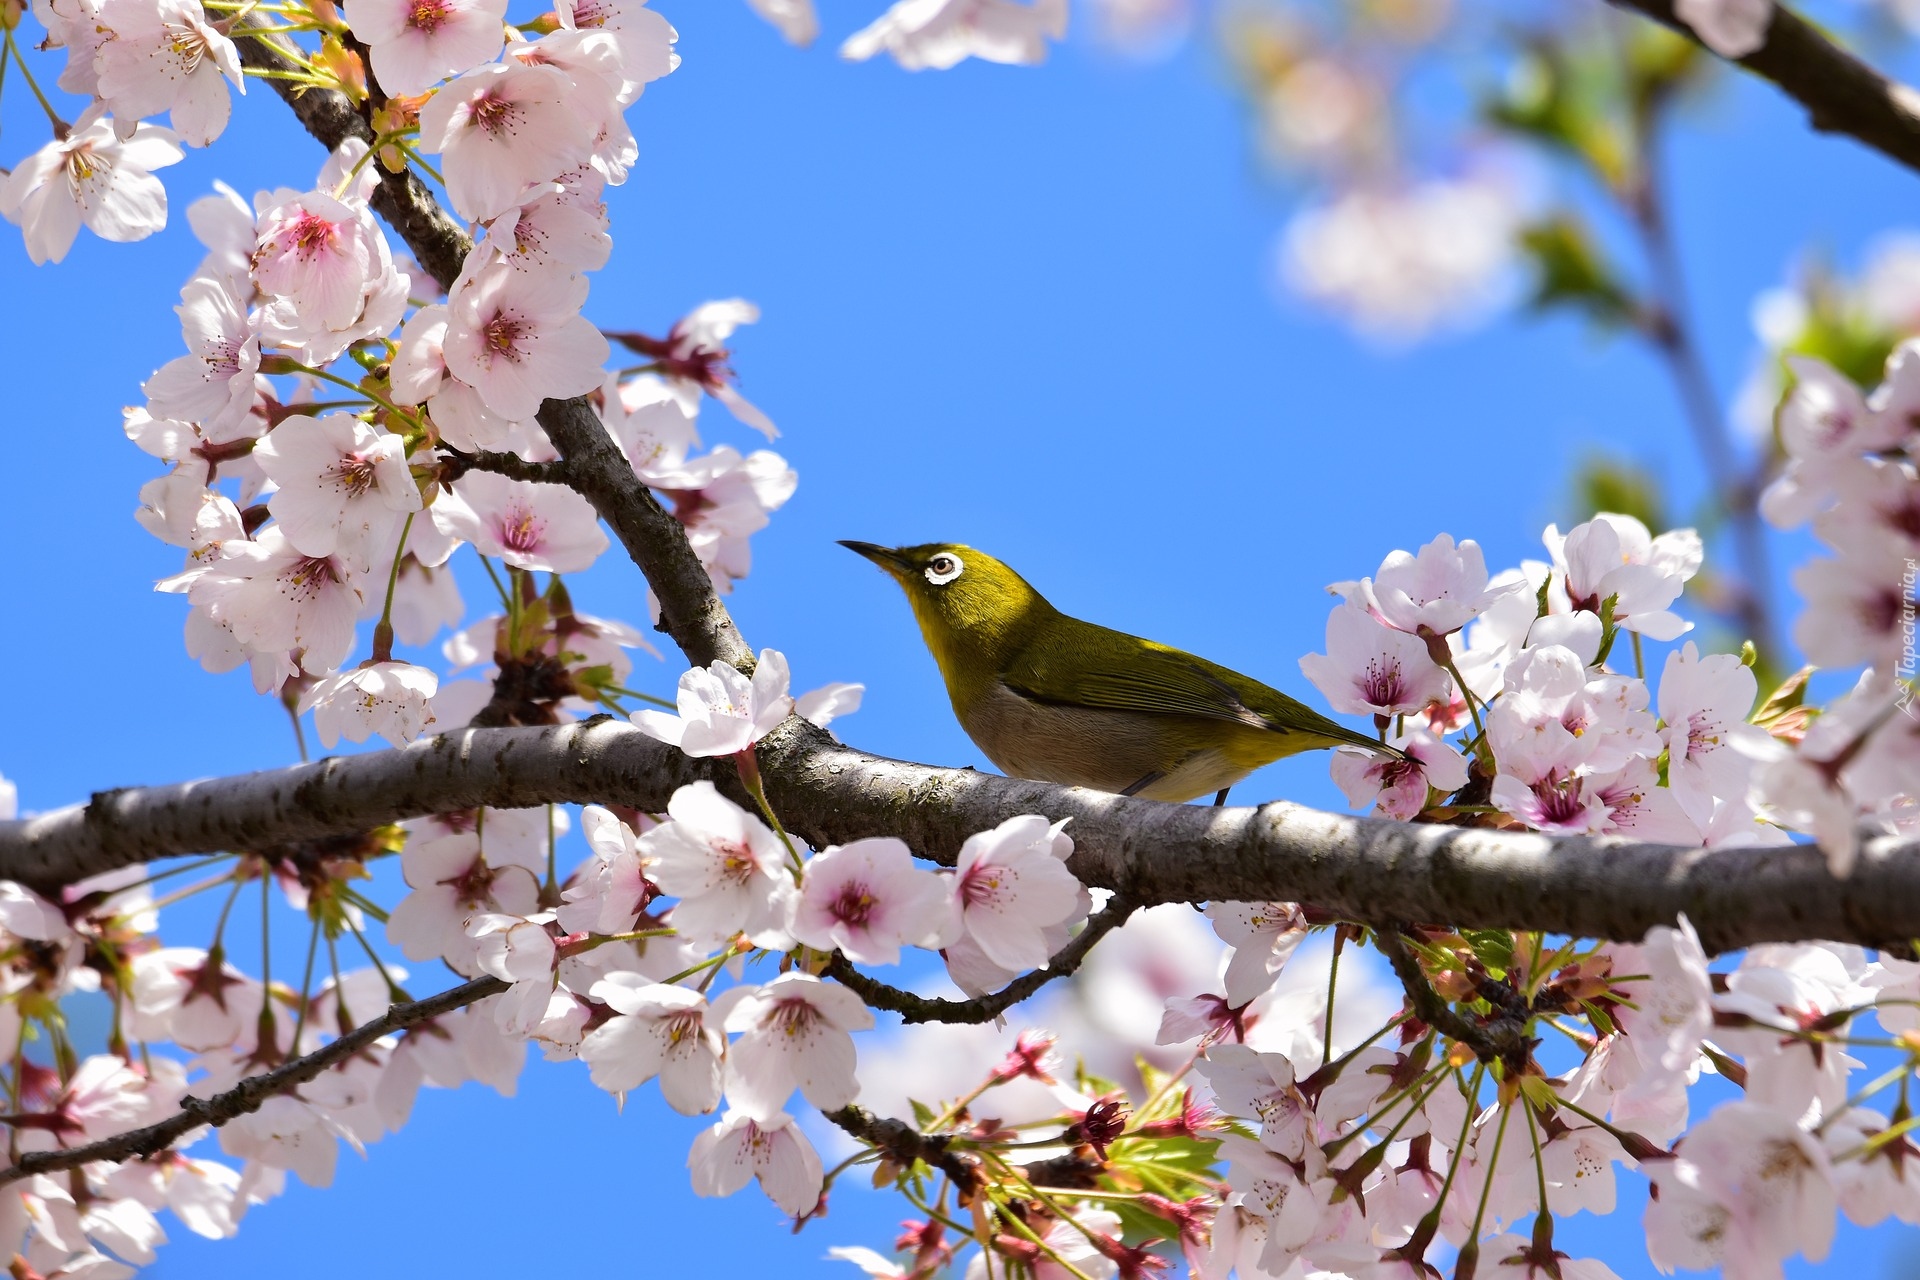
1055,699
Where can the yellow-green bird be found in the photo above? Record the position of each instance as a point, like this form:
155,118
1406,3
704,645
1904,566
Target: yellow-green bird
1056,699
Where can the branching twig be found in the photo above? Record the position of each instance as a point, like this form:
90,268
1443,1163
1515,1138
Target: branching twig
511,465
905,1144
690,612
1499,1039
1841,93
250,1094
913,1008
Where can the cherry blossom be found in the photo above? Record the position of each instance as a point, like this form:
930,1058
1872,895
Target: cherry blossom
726,867
693,359
530,526
611,888
1770,1180
1011,886
795,19
453,881
794,1033
1615,557
275,599
518,338
1398,788
1437,591
1731,28
867,899
1264,936
343,485
658,1031
166,56
721,711
1711,748
91,177
643,38
329,272
938,34
769,1148
213,384
1370,667
392,699
415,44
501,129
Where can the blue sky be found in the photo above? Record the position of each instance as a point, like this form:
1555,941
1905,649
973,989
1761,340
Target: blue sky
1030,310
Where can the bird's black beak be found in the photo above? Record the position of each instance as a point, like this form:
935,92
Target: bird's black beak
886,557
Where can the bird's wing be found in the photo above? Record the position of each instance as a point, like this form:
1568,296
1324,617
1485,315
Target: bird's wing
1111,670
1154,679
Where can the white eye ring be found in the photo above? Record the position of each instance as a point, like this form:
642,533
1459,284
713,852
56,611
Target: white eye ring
944,568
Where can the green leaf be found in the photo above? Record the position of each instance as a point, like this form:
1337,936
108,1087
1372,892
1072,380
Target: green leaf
1569,272
1492,947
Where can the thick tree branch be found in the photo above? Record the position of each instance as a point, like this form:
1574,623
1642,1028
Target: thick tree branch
251,1093
1356,868
1841,93
690,612
913,1008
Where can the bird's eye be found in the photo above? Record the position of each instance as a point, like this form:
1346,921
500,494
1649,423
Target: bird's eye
943,569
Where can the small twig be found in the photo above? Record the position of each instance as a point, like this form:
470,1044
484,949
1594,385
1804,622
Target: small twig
250,1094
511,465
1841,93
904,1144
1498,1040
913,1008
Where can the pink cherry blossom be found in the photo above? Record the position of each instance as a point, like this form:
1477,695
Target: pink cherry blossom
829,702
518,338
938,34
1010,887
1264,936
1731,28
530,526
611,888
693,358
453,882
1441,589
1398,788
771,1148
644,39
344,485
392,699
91,177
166,56
1260,1086
794,19
658,1031
551,232
1615,556
795,1032
1772,1180
415,44
867,899
723,499
501,129
213,384
1711,747
721,711
328,272
726,867
276,599
1370,667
